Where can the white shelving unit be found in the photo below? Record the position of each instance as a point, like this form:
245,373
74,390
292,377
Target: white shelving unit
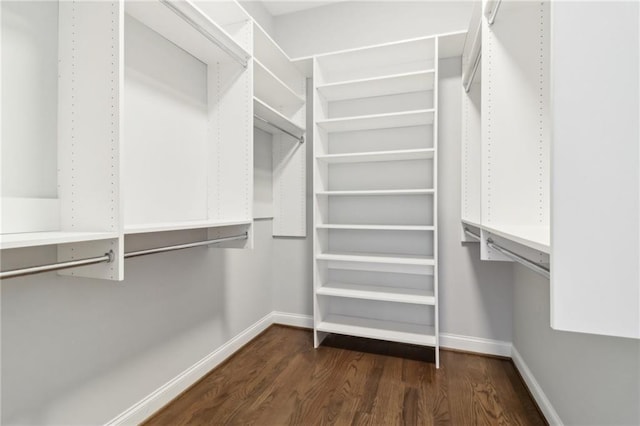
189,141
175,77
376,147
61,180
279,109
506,150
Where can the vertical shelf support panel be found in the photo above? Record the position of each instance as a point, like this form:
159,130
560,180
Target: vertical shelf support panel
91,72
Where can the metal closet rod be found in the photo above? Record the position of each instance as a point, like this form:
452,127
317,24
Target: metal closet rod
212,38
110,257
521,260
471,234
299,138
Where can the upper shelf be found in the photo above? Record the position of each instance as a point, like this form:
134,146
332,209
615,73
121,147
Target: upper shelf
535,237
378,121
272,90
187,26
377,192
31,239
269,114
378,86
179,226
369,157
272,57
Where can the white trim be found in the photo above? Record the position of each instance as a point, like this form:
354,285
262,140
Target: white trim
295,320
475,344
543,402
163,395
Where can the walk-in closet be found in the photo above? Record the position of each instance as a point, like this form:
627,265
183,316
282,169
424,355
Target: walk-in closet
293,212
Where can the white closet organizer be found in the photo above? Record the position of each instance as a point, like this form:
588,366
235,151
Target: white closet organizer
188,150
376,192
506,142
279,102
61,131
173,77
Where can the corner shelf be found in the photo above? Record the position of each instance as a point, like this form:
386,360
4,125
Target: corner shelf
378,86
366,157
375,329
378,121
263,110
272,90
32,239
380,293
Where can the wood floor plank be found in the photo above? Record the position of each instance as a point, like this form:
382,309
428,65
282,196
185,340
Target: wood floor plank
280,379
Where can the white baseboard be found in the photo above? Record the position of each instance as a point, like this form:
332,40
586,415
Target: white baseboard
163,395
295,320
475,344
536,391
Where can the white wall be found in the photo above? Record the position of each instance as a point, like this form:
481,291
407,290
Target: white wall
81,351
589,379
359,23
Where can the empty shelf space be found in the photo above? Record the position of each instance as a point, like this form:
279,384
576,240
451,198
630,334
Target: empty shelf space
372,292
382,330
377,227
178,226
377,192
264,111
378,86
272,90
378,121
367,157
397,259
32,239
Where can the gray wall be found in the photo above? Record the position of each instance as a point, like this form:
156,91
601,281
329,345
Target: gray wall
81,351
589,379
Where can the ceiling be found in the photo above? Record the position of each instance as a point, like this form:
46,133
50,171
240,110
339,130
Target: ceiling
283,7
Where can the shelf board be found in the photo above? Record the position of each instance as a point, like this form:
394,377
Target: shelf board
179,226
271,56
378,86
32,239
381,293
378,121
263,110
272,90
382,330
535,237
177,21
471,223
378,192
397,259
377,227
368,157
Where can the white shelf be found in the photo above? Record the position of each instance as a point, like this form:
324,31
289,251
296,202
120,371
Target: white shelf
32,239
179,27
535,237
378,121
380,293
272,90
471,223
397,259
378,192
378,227
263,110
271,56
366,157
179,226
375,329
378,86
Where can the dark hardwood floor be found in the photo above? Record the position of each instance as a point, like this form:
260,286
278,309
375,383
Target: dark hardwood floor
280,379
